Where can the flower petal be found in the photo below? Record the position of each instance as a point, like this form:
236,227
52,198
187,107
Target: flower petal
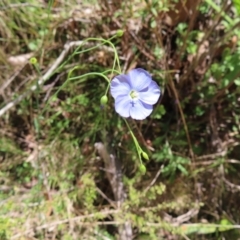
140,110
139,79
123,105
120,86
151,94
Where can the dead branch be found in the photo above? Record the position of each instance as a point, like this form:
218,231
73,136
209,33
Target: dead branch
114,175
47,75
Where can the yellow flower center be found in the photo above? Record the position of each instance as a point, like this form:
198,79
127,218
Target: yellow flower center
133,94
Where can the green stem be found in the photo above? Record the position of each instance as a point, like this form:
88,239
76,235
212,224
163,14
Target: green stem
139,150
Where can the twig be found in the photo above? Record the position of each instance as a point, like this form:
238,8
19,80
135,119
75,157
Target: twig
209,162
155,179
186,217
112,203
56,223
11,79
48,74
231,185
212,156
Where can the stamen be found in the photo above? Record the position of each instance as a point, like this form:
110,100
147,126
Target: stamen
134,94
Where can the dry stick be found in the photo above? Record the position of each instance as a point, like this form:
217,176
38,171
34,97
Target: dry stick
114,175
67,47
11,79
155,179
56,223
48,74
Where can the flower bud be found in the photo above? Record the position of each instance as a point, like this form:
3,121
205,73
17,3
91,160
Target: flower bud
104,100
142,169
119,32
33,60
145,155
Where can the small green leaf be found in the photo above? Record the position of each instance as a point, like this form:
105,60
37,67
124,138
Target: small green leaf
237,81
182,170
225,225
236,4
153,24
154,12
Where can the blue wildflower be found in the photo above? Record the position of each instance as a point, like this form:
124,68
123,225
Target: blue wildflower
135,94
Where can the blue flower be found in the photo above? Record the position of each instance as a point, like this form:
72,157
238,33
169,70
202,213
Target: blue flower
135,94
